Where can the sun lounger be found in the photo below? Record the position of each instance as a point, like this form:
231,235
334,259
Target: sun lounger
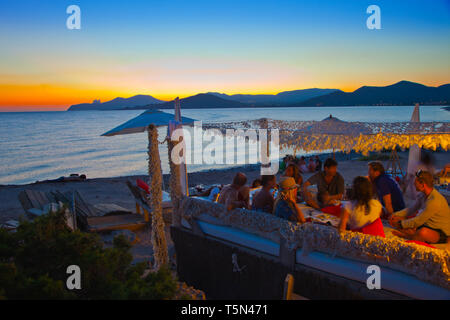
142,205
99,217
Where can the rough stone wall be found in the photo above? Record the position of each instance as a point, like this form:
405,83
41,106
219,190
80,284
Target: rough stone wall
427,264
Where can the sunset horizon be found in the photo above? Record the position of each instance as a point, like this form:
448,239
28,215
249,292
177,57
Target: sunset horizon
184,49
51,105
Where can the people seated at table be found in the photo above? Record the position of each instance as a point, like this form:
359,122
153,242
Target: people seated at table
286,206
302,167
388,190
318,163
235,195
362,209
311,165
284,163
293,172
256,183
263,200
428,220
330,186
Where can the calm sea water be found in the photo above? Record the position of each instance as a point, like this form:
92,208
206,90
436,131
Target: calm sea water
47,145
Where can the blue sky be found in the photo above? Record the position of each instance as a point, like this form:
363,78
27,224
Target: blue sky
170,48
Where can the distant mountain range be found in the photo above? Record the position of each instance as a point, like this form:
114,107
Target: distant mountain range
201,101
117,103
280,99
401,93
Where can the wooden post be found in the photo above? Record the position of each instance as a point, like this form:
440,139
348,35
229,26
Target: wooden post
154,200
175,186
288,287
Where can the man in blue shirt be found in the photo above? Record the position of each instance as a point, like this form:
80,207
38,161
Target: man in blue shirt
387,188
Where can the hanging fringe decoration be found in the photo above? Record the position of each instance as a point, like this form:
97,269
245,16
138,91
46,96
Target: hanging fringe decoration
155,200
175,186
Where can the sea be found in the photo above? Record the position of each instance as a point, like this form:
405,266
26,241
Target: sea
47,145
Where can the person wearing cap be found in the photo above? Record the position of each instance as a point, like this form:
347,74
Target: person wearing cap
432,223
286,204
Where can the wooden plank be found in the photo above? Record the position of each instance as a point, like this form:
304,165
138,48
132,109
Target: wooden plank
32,198
115,222
25,201
51,197
108,208
82,206
288,287
42,198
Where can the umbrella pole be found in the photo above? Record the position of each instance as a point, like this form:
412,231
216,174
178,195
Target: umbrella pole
159,244
175,185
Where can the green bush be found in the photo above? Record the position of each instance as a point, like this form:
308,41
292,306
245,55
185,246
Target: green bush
34,260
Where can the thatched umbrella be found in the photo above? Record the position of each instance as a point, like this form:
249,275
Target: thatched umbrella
332,133
150,121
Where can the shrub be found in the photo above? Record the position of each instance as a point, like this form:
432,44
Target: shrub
34,260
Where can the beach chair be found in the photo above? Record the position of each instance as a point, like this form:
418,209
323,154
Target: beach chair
36,203
142,205
87,217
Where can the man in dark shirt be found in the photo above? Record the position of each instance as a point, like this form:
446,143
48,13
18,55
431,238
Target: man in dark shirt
387,189
263,200
330,186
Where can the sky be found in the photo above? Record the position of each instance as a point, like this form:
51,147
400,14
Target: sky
171,48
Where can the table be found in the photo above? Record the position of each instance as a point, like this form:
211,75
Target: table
318,216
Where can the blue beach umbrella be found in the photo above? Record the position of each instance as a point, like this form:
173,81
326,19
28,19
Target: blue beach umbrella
142,121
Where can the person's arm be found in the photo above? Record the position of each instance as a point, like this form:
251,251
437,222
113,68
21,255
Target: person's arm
308,197
233,204
430,209
341,189
300,216
388,203
340,194
344,219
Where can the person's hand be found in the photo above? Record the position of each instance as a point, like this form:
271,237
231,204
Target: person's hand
395,221
326,198
292,196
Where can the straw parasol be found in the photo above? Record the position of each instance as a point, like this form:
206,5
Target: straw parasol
332,133
149,121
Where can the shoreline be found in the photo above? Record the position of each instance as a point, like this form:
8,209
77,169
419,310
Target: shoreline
114,189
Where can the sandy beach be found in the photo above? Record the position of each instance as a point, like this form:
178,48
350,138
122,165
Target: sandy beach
114,190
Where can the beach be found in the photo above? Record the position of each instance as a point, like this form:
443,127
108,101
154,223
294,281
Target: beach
114,189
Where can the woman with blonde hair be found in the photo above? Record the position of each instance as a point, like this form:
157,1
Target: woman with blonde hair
286,204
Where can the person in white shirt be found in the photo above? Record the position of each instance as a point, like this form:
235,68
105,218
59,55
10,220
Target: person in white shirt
362,209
